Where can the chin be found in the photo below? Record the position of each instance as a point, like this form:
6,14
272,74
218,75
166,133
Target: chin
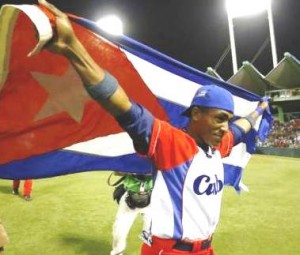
215,142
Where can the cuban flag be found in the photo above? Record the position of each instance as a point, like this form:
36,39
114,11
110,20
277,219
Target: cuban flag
49,126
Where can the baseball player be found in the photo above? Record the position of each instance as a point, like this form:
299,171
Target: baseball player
133,200
187,192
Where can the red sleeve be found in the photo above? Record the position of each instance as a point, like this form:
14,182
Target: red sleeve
169,146
226,144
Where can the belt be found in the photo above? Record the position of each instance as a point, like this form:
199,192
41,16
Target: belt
192,246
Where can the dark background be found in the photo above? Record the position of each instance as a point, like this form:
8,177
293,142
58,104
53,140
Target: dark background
195,32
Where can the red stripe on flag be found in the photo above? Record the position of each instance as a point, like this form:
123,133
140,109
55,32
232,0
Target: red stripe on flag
43,105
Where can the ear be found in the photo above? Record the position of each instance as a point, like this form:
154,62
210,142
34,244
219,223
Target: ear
196,114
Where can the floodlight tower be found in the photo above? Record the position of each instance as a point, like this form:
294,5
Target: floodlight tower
242,8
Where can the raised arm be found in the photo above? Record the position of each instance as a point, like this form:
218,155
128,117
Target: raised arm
246,123
109,93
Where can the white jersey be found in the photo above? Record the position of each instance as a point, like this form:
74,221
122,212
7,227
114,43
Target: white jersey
186,198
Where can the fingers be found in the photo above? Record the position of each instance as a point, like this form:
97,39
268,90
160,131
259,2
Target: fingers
264,105
265,99
51,8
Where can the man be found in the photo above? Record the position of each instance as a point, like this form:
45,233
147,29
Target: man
133,197
186,198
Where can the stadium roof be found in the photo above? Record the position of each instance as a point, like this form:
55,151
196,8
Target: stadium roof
249,78
286,74
212,72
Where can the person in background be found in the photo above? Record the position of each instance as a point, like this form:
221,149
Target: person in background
3,238
133,197
27,188
189,172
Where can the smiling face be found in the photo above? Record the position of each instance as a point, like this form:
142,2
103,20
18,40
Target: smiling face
208,125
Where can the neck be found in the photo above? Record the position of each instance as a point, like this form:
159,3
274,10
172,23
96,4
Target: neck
199,141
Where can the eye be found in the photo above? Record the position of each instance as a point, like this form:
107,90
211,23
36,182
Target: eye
221,119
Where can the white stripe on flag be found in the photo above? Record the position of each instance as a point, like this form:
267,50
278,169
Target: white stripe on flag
111,145
174,88
164,84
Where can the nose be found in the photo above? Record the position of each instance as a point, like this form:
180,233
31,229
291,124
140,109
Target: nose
225,126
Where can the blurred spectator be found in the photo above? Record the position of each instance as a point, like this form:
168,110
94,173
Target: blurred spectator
27,188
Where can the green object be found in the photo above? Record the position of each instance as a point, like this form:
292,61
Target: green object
136,184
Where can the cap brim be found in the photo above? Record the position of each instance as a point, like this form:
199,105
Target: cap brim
187,112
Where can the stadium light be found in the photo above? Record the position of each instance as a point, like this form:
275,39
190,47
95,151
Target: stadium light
111,24
242,8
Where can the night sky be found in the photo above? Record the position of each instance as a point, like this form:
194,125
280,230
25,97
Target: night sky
195,32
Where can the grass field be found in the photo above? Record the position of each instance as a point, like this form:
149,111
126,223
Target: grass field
73,214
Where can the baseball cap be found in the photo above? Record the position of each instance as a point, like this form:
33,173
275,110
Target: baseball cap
211,96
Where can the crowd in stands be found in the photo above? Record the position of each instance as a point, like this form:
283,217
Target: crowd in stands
283,135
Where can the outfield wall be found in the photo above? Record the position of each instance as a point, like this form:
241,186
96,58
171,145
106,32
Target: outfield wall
287,152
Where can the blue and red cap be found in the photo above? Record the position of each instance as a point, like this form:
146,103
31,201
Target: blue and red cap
212,96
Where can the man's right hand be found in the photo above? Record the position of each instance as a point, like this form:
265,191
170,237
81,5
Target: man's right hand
64,35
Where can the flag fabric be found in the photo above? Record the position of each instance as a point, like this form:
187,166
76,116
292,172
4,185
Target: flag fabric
49,125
